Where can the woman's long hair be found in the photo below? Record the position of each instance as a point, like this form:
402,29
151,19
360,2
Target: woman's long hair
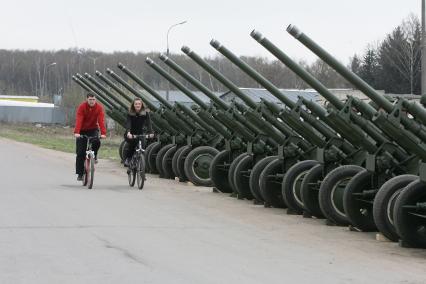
132,109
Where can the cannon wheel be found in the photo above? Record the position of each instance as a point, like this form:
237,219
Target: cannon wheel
384,202
270,186
197,165
180,174
291,186
331,193
359,209
309,194
409,220
255,176
147,150
166,163
232,169
152,154
180,161
219,171
159,160
242,177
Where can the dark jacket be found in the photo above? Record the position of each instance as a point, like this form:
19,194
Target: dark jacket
138,123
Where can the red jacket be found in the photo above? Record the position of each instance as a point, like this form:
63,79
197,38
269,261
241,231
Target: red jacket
89,118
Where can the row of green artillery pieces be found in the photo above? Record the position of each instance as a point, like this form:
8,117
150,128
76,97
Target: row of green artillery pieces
353,163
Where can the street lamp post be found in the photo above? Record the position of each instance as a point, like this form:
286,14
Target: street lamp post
45,69
168,52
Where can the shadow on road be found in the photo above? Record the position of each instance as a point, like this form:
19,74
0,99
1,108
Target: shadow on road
117,188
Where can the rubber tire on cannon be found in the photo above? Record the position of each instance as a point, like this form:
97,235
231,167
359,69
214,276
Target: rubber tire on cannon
331,193
218,172
384,202
242,179
178,165
291,185
359,209
147,150
410,222
255,177
310,196
151,156
197,165
159,160
270,188
166,163
231,170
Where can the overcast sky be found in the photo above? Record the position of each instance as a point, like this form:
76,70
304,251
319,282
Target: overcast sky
342,27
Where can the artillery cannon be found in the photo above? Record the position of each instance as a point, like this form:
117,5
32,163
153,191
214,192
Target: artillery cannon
365,193
293,147
239,141
325,159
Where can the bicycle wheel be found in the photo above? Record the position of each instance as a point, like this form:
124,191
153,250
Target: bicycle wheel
131,173
86,166
90,173
140,172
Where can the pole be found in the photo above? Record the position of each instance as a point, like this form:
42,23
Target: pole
168,53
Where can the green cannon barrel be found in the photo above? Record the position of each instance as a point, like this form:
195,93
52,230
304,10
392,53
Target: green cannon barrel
415,109
114,112
234,124
415,128
222,105
278,137
114,86
246,99
370,129
184,90
183,108
152,92
161,123
303,128
174,119
102,88
112,100
85,87
176,83
144,85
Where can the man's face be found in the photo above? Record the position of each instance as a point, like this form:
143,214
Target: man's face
91,101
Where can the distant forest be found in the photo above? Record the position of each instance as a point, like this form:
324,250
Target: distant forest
392,64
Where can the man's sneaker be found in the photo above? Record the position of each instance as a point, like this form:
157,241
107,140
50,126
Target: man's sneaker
80,177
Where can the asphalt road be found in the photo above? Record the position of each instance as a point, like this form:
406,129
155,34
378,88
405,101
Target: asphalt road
52,230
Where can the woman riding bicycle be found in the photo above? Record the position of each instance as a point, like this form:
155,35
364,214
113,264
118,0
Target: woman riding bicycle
138,122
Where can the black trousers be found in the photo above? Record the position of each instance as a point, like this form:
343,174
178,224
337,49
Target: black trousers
131,146
80,146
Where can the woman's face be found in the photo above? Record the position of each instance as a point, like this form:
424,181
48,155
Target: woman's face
138,105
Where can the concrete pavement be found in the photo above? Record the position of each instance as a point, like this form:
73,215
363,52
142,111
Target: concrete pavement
53,230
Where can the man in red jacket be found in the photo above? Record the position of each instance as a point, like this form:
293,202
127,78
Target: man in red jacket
89,119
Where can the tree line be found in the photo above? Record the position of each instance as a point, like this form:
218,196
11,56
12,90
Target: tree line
392,65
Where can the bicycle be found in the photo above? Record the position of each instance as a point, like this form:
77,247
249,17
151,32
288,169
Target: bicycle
136,169
89,163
